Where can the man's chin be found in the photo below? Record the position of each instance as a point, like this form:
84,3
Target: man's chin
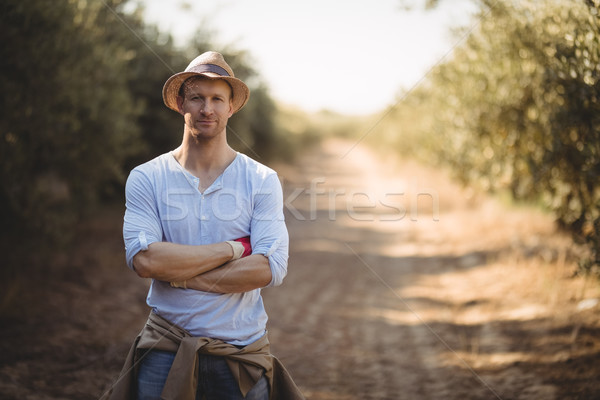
204,135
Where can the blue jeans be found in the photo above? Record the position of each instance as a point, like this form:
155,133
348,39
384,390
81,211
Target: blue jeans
215,381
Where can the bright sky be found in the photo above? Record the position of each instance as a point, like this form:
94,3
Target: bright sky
349,56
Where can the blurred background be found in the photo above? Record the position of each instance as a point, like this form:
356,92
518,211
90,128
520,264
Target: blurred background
502,95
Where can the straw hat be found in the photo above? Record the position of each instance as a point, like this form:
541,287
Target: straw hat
210,64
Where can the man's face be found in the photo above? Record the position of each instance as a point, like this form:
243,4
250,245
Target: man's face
206,107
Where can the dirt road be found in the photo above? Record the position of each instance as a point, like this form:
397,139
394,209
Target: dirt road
401,285
404,286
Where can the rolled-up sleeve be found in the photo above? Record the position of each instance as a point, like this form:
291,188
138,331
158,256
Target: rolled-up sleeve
141,224
268,232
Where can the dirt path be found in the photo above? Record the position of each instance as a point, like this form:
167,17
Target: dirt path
401,286
404,286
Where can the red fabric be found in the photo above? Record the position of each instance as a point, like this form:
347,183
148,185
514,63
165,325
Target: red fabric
247,247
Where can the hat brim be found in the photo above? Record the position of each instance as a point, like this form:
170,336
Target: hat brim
240,92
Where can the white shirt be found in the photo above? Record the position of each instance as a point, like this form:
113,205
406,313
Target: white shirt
164,204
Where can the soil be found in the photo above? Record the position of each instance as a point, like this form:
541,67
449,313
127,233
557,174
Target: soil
401,285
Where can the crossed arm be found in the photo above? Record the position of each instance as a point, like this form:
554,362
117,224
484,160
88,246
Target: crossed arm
203,267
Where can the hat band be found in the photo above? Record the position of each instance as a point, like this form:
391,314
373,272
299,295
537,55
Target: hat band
209,68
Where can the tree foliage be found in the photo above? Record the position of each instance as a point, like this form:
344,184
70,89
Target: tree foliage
81,103
67,116
516,108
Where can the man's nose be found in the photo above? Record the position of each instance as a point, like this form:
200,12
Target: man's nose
206,107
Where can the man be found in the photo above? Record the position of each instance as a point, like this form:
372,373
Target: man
188,218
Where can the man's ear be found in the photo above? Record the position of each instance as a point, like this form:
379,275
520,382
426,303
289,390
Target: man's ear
180,104
230,108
